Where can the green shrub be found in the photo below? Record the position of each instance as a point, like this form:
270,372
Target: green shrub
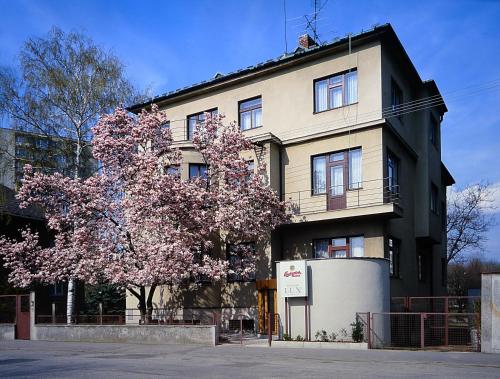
357,331
299,338
286,337
321,336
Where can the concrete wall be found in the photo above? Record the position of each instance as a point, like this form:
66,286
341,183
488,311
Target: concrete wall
338,288
7,332
490,313
154,334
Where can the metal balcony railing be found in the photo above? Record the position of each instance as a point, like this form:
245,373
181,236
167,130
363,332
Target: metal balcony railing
361,194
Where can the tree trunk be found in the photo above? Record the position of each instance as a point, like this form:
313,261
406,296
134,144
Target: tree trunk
145,303
70,301
70,304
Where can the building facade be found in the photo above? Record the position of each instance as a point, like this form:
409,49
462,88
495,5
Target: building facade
350,135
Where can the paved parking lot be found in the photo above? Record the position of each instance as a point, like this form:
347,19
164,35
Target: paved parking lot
23,359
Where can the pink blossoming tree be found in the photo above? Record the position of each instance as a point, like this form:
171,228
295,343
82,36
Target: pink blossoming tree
137,224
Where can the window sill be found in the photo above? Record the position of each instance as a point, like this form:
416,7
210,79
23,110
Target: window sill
247,130
332,109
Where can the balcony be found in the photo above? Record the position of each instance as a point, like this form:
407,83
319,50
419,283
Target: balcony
372,197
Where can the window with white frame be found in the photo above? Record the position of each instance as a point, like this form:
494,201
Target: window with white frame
336,91
339,247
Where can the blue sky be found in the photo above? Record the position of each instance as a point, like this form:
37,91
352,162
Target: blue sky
170,44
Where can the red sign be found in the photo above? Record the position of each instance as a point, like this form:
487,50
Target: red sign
293,274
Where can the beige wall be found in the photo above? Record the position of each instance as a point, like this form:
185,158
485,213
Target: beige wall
287,98
287,113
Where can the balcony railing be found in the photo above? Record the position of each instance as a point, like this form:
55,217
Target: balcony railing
367,193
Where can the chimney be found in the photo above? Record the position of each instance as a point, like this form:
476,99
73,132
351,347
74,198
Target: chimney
306,42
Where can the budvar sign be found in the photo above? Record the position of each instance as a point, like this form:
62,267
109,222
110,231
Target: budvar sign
292,279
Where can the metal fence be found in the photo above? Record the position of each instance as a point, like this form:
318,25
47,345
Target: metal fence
436,304
459,331
366,193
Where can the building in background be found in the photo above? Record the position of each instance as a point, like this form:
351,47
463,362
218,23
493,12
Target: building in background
46,154
350,135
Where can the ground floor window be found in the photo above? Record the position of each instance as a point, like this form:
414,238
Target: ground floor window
241,258
339,247
393,254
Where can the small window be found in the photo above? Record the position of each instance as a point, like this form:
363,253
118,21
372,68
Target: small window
57,289
166,125
173,170
336,91
355,169
393,253
434,132
250,170
319,175
444,220
196,119
396,99
434,198
339,247
240,256
250,113
421,267
197,170
444,272
392,173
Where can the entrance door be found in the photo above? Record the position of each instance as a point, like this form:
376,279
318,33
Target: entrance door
266,305
336,179
23,317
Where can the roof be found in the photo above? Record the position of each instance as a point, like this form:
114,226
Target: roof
446,176
299,56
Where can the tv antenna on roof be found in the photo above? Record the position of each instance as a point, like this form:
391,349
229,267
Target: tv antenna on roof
312,19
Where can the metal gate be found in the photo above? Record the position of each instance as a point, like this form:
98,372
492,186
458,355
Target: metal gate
15,309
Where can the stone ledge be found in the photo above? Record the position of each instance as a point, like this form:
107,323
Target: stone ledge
321,345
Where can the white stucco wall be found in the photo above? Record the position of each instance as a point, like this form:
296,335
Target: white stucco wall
490,313
338,288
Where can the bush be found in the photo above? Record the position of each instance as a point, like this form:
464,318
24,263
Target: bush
322,336
299,338
286,337
357,331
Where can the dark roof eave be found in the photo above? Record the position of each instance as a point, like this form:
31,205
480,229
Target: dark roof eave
446,176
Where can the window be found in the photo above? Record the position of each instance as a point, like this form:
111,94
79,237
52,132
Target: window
166,125
319,175
443,216
421,267
336,172
196,119
250,170
339,247
392,173
197,170
57,289
336,91
172,170
42,143
250,113
396,99
434,198
444,272
434,132
355,171
241,257
393,253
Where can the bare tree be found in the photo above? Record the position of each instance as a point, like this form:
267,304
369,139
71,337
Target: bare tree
64,82
468,220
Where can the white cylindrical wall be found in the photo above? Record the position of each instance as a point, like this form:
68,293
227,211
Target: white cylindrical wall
338,288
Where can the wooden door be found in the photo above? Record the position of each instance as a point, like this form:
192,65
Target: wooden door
336,180
23,317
